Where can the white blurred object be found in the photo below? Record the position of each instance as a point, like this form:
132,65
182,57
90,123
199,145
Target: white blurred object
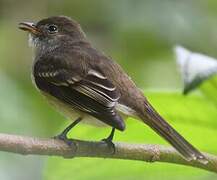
194,67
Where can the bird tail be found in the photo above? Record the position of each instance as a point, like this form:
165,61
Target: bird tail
160,126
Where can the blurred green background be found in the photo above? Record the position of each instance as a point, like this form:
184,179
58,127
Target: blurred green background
140,35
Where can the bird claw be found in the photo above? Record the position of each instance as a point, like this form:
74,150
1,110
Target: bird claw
72,144
110,144
63,138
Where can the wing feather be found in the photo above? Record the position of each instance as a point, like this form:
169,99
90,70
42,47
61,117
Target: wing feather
92,93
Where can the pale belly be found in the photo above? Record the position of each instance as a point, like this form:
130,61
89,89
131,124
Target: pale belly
73,114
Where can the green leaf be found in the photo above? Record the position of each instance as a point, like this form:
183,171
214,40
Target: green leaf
193,116
209,89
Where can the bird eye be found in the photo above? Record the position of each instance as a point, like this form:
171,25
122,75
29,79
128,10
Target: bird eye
52,28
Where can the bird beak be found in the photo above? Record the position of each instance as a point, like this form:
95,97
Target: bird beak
30,27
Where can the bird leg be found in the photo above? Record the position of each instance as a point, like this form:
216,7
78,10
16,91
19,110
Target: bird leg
63,135
109,139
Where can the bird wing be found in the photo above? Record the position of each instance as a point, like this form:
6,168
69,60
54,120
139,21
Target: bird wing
89,92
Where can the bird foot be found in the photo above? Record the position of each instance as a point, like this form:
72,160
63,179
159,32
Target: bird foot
71,143
63,138
110,144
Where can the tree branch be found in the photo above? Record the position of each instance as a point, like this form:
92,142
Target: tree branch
52,147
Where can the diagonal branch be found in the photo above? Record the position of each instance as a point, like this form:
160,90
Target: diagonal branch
51,147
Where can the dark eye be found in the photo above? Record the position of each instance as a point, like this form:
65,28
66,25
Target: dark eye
52,28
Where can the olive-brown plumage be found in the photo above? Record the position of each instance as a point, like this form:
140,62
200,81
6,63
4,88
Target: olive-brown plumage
81,81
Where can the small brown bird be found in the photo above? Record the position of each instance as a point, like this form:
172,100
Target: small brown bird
86,85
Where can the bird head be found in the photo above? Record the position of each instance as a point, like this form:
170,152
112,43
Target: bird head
53,30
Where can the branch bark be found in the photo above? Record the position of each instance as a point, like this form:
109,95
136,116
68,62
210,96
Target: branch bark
53,147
